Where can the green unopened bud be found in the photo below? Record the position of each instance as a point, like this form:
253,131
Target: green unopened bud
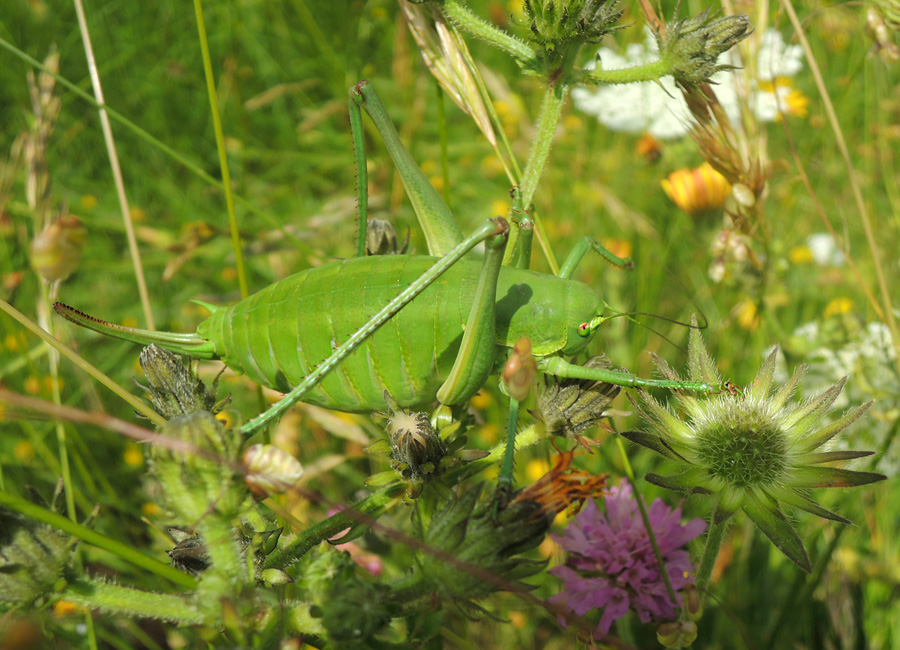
275,577
32,558
485,542
572,406
175,389
266,541
554,22
381,238
56,252
693,45
677,634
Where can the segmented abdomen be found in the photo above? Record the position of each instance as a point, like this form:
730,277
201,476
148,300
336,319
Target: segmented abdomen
279,334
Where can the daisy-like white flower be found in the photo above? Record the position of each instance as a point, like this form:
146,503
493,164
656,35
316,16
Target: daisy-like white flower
754,450
660,109
611,565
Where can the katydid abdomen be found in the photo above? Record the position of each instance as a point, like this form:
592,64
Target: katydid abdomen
278,335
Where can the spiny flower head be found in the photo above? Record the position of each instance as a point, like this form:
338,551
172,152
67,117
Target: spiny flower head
754,449
611,564
554,22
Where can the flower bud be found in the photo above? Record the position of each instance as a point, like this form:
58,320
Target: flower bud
56,252
572,406
677,634
554,22
381,238
520,372
175,389
693,45
32,558
416,448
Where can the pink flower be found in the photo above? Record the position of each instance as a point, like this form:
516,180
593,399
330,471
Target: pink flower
611,564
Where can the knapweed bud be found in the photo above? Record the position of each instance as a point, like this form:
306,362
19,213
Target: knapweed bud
270,470
381,238
175,389
572,406
692,46
56,252
554,22
677,634
520,372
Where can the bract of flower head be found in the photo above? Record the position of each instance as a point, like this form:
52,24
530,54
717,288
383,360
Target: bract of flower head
611,565
754,449
660,109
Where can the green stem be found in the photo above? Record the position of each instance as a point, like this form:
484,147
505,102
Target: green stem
548,121
646,72
220,147
461,15
629,472
87,535
714,538
368,509
133,603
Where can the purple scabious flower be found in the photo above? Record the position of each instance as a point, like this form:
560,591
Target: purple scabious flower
611,564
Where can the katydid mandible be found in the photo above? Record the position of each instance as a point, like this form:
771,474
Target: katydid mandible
339,335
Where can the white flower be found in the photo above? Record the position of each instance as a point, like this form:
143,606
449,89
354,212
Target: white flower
659,108
824,251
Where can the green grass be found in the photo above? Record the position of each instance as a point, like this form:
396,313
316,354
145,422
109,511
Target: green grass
282,73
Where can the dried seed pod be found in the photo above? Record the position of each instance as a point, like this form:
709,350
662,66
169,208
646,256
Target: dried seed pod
56,252
270,470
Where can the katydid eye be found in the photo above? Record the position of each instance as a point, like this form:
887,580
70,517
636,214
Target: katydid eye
584,329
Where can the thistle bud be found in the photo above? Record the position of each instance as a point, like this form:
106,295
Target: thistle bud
572,406
520,372
32,558
693,45
270,470
56,252
554,22
175,389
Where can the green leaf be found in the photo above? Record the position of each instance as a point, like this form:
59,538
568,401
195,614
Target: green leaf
761,384
818,438
653,442
812,477
832,456
779,531
688,482
799,501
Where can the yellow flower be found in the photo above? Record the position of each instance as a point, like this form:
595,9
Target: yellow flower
747,315
63,608
133,456
838,306
800,255
23,451
536,468
697,190
618,247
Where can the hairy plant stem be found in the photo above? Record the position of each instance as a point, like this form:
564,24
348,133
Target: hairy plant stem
461,15
133,603
646,72
715,535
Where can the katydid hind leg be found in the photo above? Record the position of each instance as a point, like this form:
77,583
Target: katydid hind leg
442,232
